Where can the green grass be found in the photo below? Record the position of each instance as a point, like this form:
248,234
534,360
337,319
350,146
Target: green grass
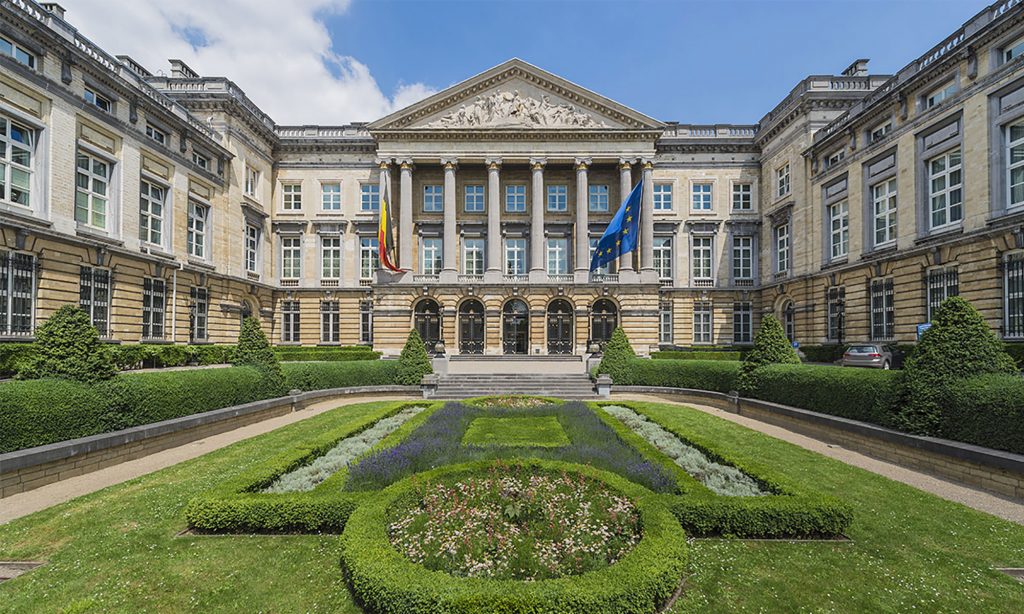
117,551
531,431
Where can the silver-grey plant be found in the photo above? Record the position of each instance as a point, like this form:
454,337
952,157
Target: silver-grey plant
308,476
720,479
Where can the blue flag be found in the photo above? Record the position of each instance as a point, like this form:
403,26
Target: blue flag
621,235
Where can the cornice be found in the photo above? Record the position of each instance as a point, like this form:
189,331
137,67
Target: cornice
516,135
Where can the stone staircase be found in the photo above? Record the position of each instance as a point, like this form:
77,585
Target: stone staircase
559,385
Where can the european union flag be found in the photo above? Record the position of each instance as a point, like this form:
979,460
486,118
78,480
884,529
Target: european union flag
621,235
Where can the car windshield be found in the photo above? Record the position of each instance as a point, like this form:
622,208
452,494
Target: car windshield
862,349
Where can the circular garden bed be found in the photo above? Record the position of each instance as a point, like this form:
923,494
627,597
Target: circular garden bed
513,537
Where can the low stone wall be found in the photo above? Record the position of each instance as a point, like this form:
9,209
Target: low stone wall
993,470
31,468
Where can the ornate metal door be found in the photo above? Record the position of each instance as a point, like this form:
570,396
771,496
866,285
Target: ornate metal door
515,328
427,320
471,328
561,336
604,319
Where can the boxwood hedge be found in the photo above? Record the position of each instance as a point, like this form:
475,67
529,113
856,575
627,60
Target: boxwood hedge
987,410
382,580
323,375
718,375
698,355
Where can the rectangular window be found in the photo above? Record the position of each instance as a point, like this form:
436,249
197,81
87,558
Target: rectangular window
835,158
942,283
291,196
883,203
92,191
558,256
97,100
782,248
703,327
701,259
936,96
1013,50
17,293
94,297
369,197
782,181
515,256
1014,290
151,213
198,222
515,198
369,257
330,258
702,196
330,196
605,269
252,248
154,302
330,322
366,322
880,131
742,197
473,198
945,189
742,258
290,321
199,314
252,182
473,256
558,198
598,200
742,322
291,257
433,198
883,312
16,51
663,257
17,157
431,256
839,229
836,299
665,323
156,134
662,196
201,160
1015,165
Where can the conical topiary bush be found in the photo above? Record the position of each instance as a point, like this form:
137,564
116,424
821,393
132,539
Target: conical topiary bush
617,354
413,362
770,347
253,350
68,346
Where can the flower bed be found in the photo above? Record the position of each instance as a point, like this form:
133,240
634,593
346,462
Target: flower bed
511,524
512,401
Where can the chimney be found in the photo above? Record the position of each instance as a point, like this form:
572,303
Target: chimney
859,68
181,70
56,9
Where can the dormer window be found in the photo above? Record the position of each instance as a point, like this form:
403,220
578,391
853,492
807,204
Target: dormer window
156,134
1013,50
97,100
835,158
200,160
16,51
880,131
939,94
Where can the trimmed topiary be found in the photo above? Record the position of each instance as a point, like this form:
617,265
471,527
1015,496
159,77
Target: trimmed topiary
770,347
413,362
958,345
68,346
253,350
617,355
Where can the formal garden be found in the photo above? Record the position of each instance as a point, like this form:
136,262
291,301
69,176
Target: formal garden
515,504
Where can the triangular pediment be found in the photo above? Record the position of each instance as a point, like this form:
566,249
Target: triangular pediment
515,96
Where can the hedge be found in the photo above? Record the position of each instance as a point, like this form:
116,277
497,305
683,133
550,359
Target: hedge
822,353
383,580
731,355
718,375
322,375
11,354
1016,351
987,410
351,352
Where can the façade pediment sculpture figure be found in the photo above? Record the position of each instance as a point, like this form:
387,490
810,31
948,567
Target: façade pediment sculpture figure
510,109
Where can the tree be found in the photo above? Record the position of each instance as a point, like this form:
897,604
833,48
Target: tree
958,345
68,346
617,354
253,350
413,362
770,347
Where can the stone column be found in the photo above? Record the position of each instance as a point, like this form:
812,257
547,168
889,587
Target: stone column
405,217
647,224
625,187
449,218
538,272
494,261
582,221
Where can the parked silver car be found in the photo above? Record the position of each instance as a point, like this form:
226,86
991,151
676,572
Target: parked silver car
874,355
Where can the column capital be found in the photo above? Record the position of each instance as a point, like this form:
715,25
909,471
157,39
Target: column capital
449,164
383,163
647,163
626,164
537,164
582,163
405,164
493,164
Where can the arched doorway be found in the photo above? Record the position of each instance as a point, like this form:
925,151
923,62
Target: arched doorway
427,321
561,337
471,327
788,318
604,318
246,311
515,327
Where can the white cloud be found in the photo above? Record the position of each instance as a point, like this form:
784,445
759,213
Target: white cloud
278,52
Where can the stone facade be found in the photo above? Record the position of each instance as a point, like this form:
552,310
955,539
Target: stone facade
170,206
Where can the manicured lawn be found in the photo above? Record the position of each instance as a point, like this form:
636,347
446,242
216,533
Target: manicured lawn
117,550
539,431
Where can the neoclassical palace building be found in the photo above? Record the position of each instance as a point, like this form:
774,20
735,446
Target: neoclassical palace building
168,207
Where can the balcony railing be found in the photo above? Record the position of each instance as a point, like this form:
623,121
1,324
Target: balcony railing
703,283
365,282
472,278
561,278
608,278
420,279
515,279
743,283
289,283
252,276
666,283
330,283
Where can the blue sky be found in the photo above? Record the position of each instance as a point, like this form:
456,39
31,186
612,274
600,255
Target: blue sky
692,62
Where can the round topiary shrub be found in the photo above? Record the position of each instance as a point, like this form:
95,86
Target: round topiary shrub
386,580
413,362
68,346
617,355
770,347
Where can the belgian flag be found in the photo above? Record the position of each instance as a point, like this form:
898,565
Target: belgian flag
385,234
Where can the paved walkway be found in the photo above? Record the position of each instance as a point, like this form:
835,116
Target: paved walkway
26,503
23,504
949,490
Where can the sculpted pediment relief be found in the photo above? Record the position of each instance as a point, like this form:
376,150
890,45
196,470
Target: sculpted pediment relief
510,109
